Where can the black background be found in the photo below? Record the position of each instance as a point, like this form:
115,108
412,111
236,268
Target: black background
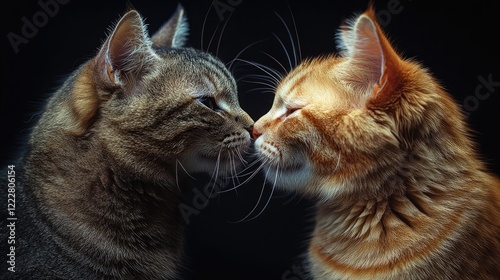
456,41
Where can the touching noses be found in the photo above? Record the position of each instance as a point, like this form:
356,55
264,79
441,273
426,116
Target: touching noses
255,133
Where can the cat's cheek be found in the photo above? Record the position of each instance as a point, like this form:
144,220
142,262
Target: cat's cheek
296,180
279,168
266,150
258,144
196,164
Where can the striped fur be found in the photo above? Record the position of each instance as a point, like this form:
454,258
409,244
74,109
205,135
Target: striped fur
102,177
402,192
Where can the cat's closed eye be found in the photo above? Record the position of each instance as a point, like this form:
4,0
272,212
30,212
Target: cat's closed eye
290,111
112,151
210,103
377,143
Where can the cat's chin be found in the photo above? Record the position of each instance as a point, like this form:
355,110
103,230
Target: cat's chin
221,166
290,177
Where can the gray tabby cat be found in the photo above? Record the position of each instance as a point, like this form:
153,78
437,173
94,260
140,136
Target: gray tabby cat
97,193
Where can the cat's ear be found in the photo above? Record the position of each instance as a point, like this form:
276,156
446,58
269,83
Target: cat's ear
373,63
126,54
174,32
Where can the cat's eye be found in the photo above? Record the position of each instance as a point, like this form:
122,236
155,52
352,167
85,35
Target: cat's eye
210,103
290,111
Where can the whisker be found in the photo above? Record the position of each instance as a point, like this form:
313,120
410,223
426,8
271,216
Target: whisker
177,176
266,69
235,175
270,86
291,38
283,67
215,173
241,52
233,165
269,199
258,201
231,169
296,33
248,167
243,160
261,77
251,152
246,180
246,174
284,49
221,33
185,171
260,197
262,90
204,23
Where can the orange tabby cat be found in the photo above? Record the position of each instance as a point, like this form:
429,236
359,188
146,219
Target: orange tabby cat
403,193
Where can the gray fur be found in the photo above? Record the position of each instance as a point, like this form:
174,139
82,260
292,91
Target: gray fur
97,187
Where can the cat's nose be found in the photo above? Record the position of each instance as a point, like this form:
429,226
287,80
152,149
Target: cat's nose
250,130
255,133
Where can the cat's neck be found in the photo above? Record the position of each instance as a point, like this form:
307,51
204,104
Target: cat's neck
377,232
95,205
84,167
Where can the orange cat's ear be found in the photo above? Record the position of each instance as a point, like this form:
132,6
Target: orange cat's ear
127,54
174,32
373,64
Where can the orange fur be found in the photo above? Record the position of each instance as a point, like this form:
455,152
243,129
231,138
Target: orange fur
402,192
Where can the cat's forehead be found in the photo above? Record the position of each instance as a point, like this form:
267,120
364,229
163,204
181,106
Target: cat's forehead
190,59
310,79
202,71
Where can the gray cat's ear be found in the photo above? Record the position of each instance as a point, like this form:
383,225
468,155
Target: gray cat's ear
127,54
174,32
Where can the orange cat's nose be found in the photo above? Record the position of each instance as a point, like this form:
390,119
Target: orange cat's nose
255,133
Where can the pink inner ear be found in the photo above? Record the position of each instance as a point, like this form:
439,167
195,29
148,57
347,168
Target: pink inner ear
127,39
367,50
127,54
120,46
109,71
372,59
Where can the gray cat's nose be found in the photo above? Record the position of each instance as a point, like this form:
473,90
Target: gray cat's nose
246,120
250,130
